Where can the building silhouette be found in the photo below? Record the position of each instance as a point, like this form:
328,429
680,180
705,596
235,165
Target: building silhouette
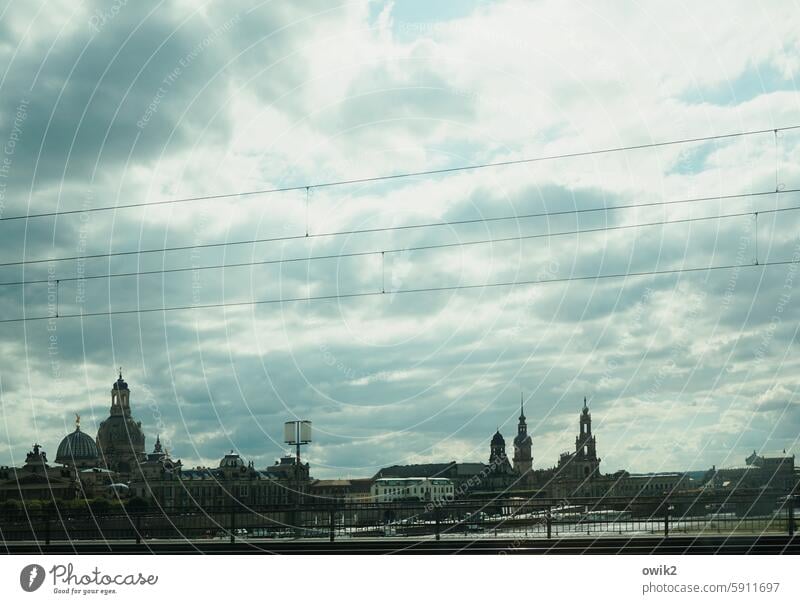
120,438
582,464
523,444
115,465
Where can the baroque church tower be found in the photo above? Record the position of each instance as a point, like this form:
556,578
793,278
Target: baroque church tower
583,464
120,438
523,457
586,445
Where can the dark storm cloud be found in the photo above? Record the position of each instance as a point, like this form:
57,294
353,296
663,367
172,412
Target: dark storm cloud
126,87
90,88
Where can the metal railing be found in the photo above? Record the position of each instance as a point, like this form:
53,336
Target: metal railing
507,518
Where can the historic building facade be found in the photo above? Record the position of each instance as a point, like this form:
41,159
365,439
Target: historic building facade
466,477
77,474
114,464
412,489
341,490
165,482
761,471
36,480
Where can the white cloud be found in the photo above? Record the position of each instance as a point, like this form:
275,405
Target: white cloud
294,95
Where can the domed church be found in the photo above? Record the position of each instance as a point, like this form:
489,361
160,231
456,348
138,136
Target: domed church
120,438
77,449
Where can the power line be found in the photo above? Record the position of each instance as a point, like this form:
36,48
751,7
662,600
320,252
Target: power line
399,228
398,250
762,265
385,177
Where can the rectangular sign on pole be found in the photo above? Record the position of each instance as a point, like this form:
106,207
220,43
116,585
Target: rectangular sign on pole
291,429
289,432
305,431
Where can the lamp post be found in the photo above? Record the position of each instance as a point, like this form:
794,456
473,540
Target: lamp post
297,433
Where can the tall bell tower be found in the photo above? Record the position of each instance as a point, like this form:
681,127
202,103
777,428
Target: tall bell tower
523,443
586,445
120,397
120,438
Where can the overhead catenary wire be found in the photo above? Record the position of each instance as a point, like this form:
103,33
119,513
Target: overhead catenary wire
382,252
402,175
420,290
444,223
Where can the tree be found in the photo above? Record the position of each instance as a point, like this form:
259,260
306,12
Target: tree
10,507
99,505
137,504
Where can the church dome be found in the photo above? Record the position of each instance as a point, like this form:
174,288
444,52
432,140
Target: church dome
121,440
498,440
231,460
77,448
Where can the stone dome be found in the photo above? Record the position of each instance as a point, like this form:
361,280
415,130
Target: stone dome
498,440
231,460
121,440
77,448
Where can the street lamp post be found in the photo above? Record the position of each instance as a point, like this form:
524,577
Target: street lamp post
297,433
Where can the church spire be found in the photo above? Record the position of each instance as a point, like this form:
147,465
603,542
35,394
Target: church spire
523,456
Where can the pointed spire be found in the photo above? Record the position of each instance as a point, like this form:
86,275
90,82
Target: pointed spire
585,405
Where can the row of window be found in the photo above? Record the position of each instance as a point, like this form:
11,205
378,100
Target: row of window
260,494
413,490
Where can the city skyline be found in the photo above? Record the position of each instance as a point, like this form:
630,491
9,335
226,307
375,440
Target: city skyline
491,277
539,462
686,369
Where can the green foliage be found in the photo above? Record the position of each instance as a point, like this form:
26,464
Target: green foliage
137,504
32,505
99,505
10,505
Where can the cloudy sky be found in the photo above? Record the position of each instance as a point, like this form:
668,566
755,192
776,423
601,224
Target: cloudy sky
114,103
